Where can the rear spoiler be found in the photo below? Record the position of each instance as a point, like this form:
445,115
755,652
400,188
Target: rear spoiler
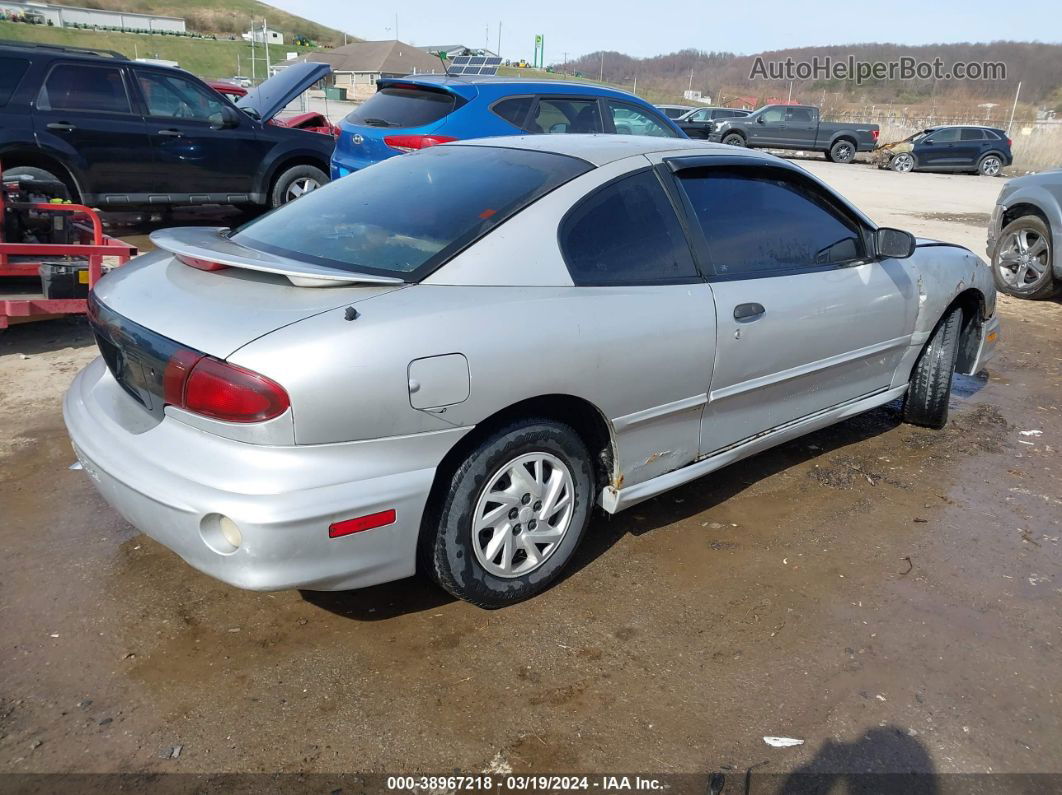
203,246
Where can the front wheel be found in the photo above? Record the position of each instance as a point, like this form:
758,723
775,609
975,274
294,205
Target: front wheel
1021,262
902,163
734,139
926,402
513,516
295,182
842,152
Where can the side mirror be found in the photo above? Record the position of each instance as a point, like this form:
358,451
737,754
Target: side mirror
893,243
230,117
761,120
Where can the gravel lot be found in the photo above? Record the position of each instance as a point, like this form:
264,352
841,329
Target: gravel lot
889,594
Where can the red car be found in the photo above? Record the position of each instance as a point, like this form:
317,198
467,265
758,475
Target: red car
312,121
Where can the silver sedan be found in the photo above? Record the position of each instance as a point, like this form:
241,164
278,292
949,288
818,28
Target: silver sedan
444,362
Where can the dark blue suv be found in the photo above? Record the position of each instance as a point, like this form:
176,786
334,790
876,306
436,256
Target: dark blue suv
984,150
415,112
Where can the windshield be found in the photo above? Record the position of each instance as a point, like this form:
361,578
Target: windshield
407,215
402,107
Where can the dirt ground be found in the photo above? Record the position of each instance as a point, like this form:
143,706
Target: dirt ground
888,594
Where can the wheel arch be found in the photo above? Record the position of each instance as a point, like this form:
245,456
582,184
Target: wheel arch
581,415
973,305
35,158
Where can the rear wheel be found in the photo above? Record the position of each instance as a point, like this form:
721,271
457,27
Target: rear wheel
1021,263
926,402
516,511
990,166
51,184
734,139
843,152
296,182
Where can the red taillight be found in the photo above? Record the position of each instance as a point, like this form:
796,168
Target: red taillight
410,143
201,264
1010,143
361,524
874,135
176,373
226,392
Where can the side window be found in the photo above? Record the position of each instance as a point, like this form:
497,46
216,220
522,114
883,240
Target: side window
626,233
799,115
701,115
761,221
514,110
557,115
174,97
971,134
947,135
81,87
630,120
11,71
773,115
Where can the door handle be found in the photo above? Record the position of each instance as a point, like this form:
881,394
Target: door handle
749,312
172,133
61,125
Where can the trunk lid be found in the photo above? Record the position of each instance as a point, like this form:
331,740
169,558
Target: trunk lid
214,312
269,98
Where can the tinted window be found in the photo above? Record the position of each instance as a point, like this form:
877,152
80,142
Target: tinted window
799,114
944,136
402,107
626,233
406,215
566,116
773,114
173,97
514,110
971,134
11,71
674,113
762,220
727,114
630,120
81,87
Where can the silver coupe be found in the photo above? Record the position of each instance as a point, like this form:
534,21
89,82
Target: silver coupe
444,362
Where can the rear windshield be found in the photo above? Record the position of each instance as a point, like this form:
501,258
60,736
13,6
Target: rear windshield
407,215
403,107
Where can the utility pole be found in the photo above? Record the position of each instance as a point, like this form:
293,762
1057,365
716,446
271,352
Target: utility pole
486,36
1013,108
601,74
265,39
635,91
790,91
498,53
253,75
566,62
396,26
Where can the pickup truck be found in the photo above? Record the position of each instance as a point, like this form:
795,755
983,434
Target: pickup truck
796,127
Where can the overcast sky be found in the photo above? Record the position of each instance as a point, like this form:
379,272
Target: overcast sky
659,26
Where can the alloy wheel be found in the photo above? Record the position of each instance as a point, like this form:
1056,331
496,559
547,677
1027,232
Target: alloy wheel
990,166
522,514
1024,259
903,163
300,187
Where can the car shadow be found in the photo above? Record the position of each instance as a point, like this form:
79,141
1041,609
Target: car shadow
381,602
885,759
717,487
42,336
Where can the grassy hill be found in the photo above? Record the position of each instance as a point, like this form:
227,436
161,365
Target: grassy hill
230,16
204,57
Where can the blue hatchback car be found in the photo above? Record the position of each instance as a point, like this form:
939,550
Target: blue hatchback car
409,113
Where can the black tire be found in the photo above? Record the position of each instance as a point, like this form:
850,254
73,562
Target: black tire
991,165
447,552
288,183
42,175
1040,288
926,402
842,151
734,139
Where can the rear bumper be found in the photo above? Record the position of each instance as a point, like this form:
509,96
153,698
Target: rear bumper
172,482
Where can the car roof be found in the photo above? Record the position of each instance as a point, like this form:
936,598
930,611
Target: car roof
562,86
601,149
65,50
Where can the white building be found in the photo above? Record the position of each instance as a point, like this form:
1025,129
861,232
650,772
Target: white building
68,16
266,36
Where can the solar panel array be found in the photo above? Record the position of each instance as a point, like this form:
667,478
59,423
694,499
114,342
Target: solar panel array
473,65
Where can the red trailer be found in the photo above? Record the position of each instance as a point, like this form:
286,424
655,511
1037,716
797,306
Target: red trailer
83,242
